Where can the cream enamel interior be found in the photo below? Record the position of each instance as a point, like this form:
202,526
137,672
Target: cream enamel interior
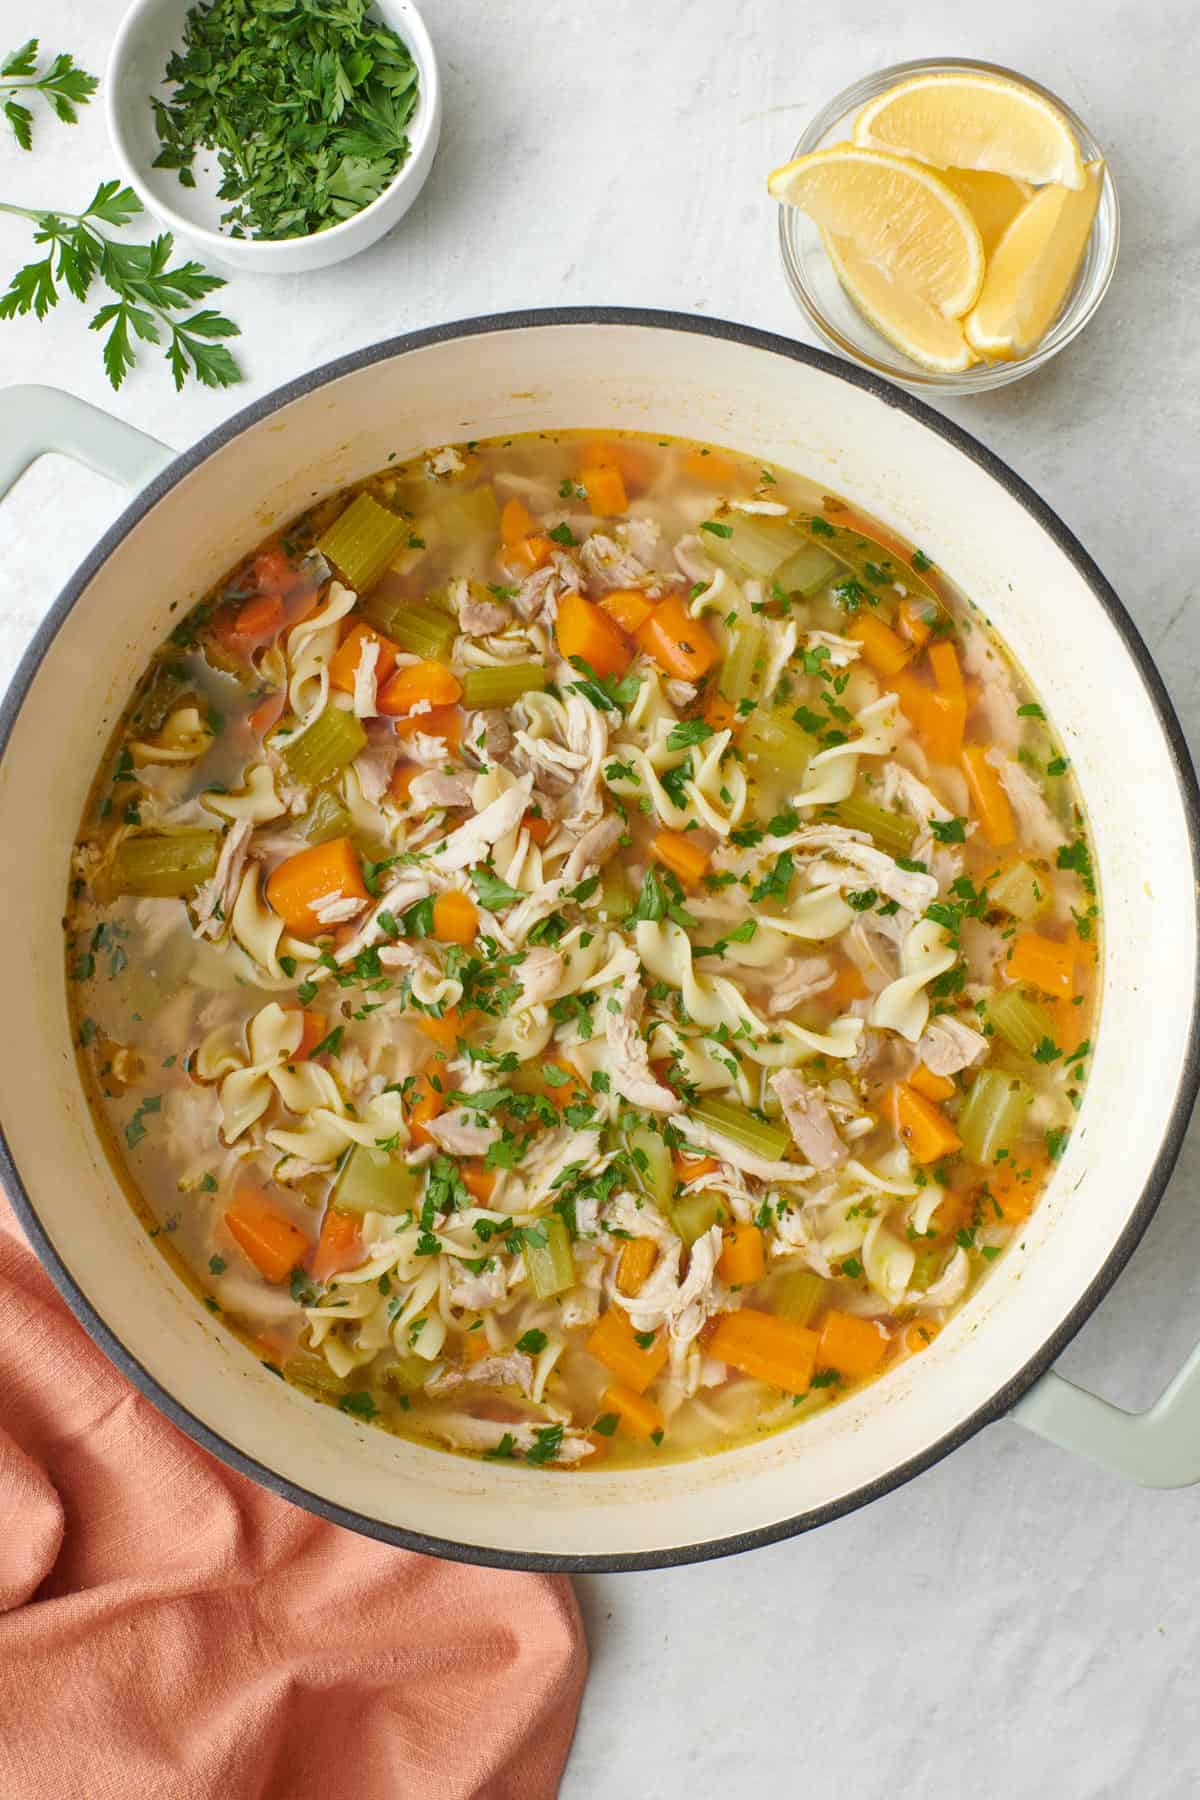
642,377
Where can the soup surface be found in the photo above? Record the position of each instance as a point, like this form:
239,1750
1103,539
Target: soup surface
585,950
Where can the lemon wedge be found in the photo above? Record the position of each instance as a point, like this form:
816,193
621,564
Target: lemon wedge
973,121
994,200
1032,268
898,215
899,314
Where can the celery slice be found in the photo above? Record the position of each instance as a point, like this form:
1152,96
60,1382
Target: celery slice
362,541
405,1374
776,738
652,1161
1020,891
550,1266
614,900
326,818
325,748
501,685
1021,1022
695,1214
994,1114
373,1181
807,572
737,678
741,1127
165,867
416,626
314,1372
467,515
797,1295
891,831
755,546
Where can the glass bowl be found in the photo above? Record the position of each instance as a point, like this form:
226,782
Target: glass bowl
834,315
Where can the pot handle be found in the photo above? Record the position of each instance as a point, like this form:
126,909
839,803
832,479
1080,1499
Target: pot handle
1159,1447
38,419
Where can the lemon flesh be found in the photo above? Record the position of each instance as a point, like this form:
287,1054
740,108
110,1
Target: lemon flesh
899,314
1032,268
993,200
971,121
899,216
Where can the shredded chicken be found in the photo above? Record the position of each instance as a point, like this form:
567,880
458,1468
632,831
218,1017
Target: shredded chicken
948,1045
842,650
1037,825
366,680
445,461
950,1285
434,789
539,975
608,564
681,1305
497,736
215,898
632,1075
587,733
538,596
335,908
691,557
800,978
478,618
813,1131
859,864
593,849
512,1369
472,841
902,787
465,1432
457,1133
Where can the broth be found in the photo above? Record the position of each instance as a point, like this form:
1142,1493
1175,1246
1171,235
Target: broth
584,951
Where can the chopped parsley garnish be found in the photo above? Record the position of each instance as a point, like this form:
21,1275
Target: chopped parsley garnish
562,534
494,893
533,1342
360,1405
777,882
688,732
949,831
716,527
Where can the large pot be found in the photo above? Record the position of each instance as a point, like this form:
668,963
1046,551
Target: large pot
885,452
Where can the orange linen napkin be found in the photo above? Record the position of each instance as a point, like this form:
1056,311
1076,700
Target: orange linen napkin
170,1631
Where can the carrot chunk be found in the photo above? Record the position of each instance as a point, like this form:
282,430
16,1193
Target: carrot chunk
538,826
455,918
403,776
343,664
408,687
1045,963
614,1342
298,885
934,1087
914,622
475,1344
691,1168
1014,1187
989,798
742,1259
921,1125
637,1260
680,854
479,1182
884,649
767,1347
267,713
338,1247
947,672
516,522
628,608
269,1238
639,1416
919,1335
720,714
851,1345
314,1028
582,629
258,616
424,1102
439,722
605,490
848,984
444,1030
682,646
528,554
274,572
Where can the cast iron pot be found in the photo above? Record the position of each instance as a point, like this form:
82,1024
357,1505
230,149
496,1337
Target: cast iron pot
884,451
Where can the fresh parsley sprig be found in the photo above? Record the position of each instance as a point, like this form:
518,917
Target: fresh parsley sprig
64,84
150,294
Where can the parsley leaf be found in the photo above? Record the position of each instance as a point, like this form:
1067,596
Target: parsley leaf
949,831
494,893
532,1342
688,732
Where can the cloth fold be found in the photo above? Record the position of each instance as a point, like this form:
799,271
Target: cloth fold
170,1631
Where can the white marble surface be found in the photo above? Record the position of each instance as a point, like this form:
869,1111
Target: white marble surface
1013,1623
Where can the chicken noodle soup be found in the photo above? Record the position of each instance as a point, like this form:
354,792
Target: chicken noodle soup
585,950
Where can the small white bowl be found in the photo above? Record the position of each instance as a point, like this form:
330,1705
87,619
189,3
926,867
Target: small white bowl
151,31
